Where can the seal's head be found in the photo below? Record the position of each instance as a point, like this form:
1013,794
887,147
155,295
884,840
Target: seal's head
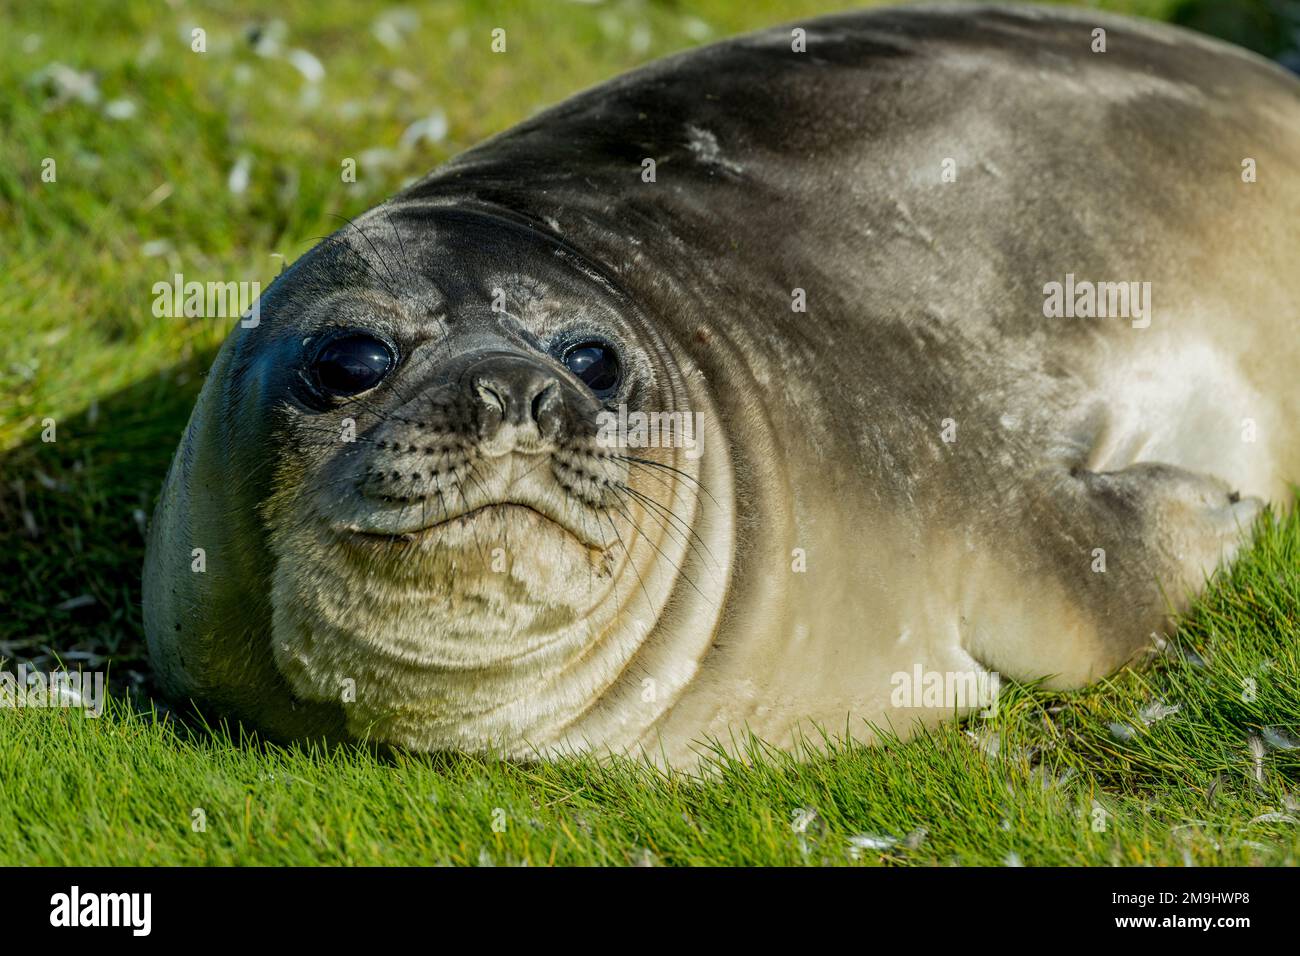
458,549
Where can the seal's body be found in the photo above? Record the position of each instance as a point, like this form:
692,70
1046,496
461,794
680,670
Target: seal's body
989,339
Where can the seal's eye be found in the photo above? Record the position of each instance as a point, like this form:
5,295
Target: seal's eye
351,364
596,364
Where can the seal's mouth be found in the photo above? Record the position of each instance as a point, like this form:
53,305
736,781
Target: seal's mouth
505,512
479,503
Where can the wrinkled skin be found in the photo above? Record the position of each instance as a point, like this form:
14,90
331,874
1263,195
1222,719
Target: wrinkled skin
917,471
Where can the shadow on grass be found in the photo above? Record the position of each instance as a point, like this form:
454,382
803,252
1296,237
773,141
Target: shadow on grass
73,515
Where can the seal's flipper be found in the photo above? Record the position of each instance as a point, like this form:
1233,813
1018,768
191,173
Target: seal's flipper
1134,544
1124,548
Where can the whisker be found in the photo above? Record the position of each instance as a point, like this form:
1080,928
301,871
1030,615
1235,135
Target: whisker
684,529
650,605
677,567
374,249
677,471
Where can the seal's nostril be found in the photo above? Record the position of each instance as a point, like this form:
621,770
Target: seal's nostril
543,398
491,395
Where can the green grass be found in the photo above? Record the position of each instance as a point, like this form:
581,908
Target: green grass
139,198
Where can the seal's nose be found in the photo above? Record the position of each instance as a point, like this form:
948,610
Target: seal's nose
518,402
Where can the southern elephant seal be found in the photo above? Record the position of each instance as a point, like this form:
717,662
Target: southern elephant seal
977,344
